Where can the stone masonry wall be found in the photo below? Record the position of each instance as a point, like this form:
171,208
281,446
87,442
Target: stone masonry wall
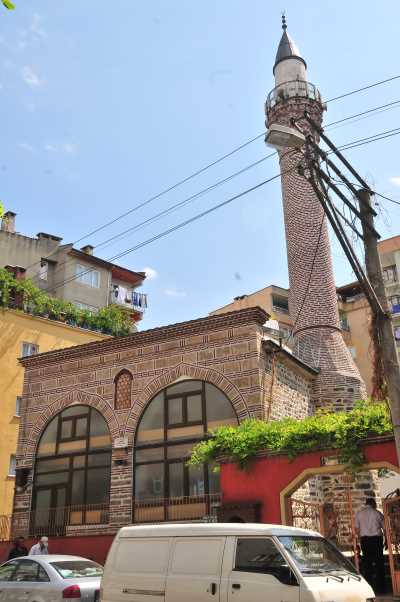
224,350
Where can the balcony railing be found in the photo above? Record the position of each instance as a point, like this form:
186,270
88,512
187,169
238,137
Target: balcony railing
293,89
129,299
192,508
280,309
63,520
67,520
5,528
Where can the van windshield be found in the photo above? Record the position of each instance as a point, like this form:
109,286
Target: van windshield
315,555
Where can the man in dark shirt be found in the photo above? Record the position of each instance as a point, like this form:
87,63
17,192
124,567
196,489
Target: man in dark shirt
18,549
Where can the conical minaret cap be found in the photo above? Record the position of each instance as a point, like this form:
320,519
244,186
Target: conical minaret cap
287,49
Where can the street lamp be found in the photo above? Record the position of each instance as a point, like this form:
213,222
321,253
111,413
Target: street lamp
282,136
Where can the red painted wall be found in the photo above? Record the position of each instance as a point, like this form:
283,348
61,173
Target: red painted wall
92,546
266,477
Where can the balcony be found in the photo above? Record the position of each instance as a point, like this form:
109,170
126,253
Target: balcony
128,298
292,89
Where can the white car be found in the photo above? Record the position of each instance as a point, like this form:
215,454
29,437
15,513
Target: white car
50,578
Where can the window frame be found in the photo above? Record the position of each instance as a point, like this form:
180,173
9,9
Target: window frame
199,388
12,466
69,469
116,383
12,563
294,581
392,270
84,275
26,561
44,270
18,406
32,346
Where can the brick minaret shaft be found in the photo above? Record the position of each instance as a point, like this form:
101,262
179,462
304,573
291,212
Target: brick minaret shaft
312,299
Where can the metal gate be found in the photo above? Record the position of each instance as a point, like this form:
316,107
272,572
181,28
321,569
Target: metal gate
391,511
305,515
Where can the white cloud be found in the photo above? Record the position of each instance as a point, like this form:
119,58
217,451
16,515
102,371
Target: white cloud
70,148
151,273
67,147
30,77
395,180
36,26
26,147
173,292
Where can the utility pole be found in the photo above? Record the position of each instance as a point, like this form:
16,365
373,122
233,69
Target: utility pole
383,320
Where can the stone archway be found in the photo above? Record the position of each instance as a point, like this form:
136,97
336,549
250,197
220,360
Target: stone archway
65,400
188,371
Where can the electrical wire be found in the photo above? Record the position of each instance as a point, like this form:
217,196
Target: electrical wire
386,197
379,83
184,202
354,144
205,168
189,199
178,226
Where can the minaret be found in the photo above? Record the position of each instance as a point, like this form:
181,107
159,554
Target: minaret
312,301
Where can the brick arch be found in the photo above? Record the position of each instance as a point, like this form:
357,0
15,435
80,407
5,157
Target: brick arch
191,372
68,399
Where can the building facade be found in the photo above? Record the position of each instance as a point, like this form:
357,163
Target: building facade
107,427
71,274
23,335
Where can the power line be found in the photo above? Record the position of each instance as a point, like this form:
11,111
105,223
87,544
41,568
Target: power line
212,187
367,113
180,225
185,201
369,139
354,144
383,81
386,197
171,209
205,168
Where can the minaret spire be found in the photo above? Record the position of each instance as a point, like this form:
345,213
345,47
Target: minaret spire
312,300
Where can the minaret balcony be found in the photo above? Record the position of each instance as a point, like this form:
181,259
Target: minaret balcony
292,90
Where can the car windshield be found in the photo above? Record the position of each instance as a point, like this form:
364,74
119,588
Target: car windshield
315,555
74,569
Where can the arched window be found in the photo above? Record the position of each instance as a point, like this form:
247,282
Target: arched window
72,470
176,419
123,386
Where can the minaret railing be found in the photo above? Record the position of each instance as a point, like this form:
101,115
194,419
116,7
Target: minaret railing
293,89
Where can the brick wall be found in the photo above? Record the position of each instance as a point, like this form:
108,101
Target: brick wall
312,298
225,350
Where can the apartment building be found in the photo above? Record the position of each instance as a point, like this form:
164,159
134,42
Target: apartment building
71,274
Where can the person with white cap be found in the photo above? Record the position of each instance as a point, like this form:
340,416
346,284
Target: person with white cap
42,547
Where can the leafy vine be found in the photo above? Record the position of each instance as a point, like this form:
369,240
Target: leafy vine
341,430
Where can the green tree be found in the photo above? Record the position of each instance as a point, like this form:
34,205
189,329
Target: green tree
8,4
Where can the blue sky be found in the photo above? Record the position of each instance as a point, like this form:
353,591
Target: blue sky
104,104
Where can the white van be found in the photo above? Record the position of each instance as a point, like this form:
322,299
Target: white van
228,563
